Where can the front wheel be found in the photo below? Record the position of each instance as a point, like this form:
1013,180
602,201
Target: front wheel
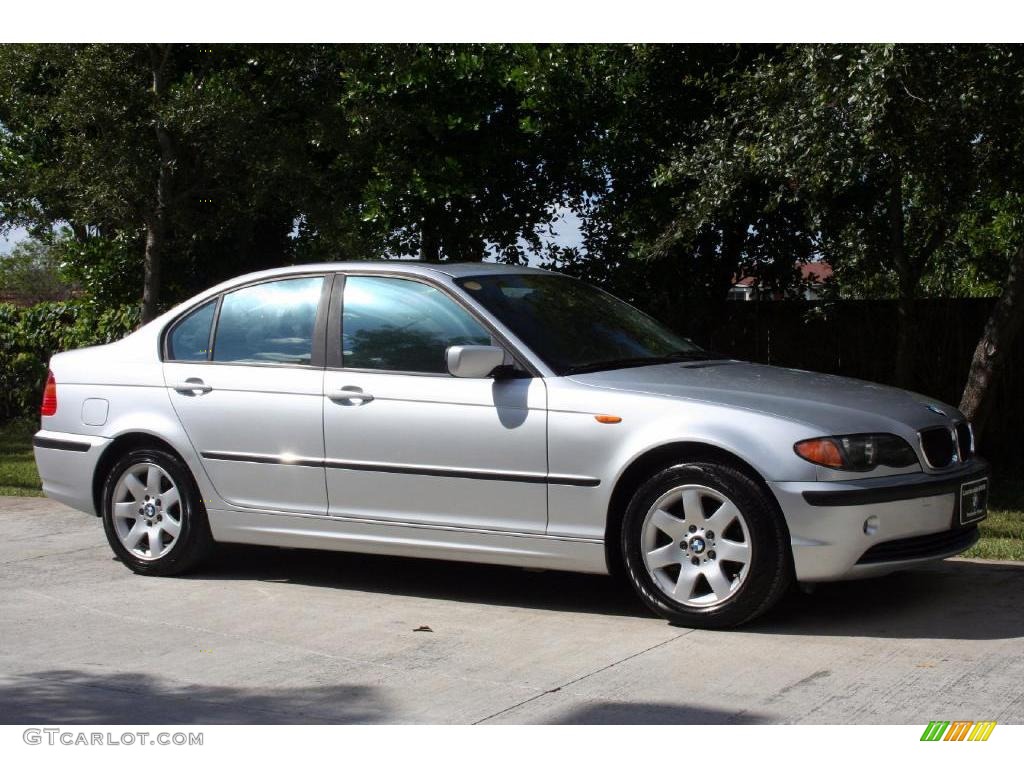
152,514
705,547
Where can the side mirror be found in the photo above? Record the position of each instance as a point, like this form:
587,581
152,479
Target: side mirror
473,362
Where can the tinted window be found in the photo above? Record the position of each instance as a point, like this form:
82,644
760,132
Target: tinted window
575,327
401,325
190,338
269,322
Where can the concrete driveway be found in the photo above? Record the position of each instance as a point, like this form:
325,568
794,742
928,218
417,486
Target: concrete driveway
266,635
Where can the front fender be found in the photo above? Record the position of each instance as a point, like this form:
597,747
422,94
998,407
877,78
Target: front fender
580,445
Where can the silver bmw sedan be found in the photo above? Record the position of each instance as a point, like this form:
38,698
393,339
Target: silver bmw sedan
497,414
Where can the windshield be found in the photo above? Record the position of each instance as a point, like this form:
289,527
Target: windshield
575,327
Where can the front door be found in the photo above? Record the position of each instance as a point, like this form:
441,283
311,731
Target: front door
404,440
252,401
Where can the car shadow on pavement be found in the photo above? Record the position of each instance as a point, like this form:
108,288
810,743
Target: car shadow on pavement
630,713
954,599
435,579
76,697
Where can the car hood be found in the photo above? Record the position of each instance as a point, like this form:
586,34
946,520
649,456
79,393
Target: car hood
833,404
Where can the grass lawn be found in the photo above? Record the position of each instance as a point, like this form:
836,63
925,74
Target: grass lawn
18,476
1002,534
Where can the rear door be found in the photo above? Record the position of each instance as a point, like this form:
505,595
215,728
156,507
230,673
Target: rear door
406,441
245,375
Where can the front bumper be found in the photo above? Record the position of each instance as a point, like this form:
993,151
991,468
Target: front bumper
914,518
66,464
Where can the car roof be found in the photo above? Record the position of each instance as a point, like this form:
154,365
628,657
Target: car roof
469,268
375,266
408,266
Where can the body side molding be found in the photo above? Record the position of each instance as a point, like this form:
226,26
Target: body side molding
405,469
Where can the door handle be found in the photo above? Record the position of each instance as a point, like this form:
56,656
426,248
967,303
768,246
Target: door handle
193,386
347,394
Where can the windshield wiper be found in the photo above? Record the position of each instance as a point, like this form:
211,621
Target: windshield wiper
634,362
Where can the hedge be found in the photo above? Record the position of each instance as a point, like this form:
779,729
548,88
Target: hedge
29,336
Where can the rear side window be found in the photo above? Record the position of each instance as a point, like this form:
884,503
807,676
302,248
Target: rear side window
269,322
190,338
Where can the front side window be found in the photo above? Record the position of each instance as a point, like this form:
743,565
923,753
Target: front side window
575,327
189,339
392,324
269,322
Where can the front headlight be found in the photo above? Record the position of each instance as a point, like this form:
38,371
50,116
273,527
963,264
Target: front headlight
857,453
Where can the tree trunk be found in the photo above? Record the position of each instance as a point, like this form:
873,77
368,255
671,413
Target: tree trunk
725,267
156,222
1001,329
903,375
430,243
79,231
907,281
151,278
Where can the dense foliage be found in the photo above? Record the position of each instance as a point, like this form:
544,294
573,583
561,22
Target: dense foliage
29,336
33,271
167,168
893,157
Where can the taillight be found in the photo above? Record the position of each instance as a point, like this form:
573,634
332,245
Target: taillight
49,406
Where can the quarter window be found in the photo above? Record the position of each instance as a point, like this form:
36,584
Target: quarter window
269,322
190,337
392,324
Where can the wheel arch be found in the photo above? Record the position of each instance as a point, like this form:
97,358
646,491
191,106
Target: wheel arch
118,447
644,466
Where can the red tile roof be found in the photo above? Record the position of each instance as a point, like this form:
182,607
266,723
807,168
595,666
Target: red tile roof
813,271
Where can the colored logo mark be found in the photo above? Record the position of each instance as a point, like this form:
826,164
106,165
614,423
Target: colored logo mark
958,730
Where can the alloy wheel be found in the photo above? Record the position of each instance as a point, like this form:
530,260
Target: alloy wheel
147,512
696,546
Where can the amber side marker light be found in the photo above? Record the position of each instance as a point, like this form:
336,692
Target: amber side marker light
604,418
821,450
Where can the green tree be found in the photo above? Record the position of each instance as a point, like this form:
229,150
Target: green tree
174,149
653,236
436,151
199,162
875,143
896,155
32,272
994,228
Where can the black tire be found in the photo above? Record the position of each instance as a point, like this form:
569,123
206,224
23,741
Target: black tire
770,570
194,542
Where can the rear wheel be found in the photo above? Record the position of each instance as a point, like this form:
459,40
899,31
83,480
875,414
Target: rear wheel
152,514
705,547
